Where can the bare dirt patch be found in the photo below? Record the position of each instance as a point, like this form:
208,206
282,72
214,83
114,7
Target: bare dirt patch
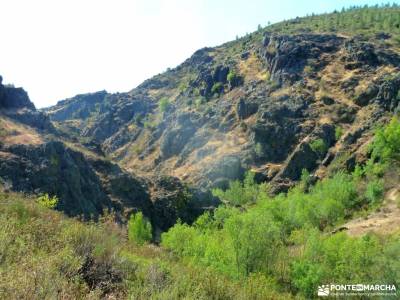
384,221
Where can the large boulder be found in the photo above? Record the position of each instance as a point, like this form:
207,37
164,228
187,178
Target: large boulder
388,95
170,200
303,157
223,170
245,109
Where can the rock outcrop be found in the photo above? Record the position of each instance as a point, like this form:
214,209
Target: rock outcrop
13,98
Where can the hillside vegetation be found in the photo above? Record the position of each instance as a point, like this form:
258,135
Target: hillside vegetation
292,238
352,20
253,247
247,172
44,255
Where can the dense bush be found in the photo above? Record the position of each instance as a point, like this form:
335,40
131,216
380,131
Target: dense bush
386,144
44,255
374,191
340,258
285,237
338,132
164,104
319,146
240,193
47,201
139,229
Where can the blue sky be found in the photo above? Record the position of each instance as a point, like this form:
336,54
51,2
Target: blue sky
56,49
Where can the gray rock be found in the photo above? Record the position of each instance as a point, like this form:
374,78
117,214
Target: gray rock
303,157
14,98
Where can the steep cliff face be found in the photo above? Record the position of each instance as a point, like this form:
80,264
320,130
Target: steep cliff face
264,102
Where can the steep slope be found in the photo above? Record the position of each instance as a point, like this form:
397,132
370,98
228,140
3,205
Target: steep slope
305,93
37,158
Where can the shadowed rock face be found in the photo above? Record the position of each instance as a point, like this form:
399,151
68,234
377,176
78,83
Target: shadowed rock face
14,98
52,168
287,55
80,106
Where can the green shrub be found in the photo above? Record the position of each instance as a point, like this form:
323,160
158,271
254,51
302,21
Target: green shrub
259,150
47,201
180,239
241,193
233,78
386,144
374,191
358,172
139,229
328,259
338,132
217,88
164,104
199,102
319,147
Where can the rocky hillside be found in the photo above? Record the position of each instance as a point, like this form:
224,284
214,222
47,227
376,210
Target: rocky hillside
301,94
35,157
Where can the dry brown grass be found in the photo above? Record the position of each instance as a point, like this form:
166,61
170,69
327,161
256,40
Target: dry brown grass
251,69
14,133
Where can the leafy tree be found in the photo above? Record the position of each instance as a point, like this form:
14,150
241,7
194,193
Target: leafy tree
386,144
139,229
255,241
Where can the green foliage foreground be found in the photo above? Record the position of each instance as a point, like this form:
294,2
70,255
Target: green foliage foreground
139,229
289,238
45,255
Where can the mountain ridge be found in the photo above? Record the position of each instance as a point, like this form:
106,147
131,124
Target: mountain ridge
244,104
